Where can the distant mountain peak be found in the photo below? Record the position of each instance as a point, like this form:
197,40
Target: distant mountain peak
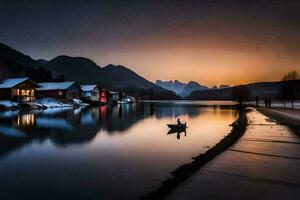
180,88
111,65
42,61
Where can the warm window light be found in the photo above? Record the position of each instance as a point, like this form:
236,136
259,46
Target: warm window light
26,120
18,92
25,92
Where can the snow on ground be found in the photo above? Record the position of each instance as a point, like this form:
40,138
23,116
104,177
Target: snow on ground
292,114
50,103
42,103
8,104
52,111
262,164
78,102
32,105
53,103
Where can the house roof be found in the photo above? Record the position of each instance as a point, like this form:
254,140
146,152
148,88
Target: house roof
12,82
55,85
87,88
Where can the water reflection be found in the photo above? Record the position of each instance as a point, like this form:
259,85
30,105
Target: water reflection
81,125
87,145
178,133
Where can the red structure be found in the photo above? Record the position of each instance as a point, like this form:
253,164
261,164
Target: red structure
103,96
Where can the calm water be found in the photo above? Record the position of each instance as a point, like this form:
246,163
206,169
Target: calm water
102,153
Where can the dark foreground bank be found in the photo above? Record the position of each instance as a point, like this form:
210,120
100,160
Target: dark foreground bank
183,172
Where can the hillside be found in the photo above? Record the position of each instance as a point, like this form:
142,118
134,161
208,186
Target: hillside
83,70
262,90
13,63
113,77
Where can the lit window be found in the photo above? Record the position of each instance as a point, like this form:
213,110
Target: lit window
60,93
25,92
18,92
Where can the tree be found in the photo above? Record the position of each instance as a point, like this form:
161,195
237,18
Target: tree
288,88
241,94
39,74
290,76
288,91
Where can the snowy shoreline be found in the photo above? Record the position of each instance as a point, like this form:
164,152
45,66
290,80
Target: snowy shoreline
41,104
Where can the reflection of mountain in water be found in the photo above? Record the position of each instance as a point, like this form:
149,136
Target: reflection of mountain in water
175,110
78,126
120,118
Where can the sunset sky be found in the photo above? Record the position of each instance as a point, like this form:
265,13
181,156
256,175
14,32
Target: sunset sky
211,42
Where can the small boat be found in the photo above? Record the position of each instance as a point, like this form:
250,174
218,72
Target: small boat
177,126
178,131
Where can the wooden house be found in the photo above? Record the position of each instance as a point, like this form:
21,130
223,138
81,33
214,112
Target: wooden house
18,90
59,90
90,91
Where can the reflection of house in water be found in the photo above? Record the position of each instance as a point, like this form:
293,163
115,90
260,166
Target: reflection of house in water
103,112
119,118
90,116
67,127
25,121
61,128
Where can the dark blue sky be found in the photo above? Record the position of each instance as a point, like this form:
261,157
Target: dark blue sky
174,37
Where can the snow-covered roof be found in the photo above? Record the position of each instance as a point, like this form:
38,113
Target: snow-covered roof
87,88
11,82
55,85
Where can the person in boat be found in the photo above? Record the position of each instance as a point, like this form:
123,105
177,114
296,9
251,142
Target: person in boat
178,121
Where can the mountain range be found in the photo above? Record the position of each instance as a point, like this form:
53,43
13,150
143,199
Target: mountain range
182,89
83,70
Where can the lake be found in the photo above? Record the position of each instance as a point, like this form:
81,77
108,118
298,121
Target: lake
104,152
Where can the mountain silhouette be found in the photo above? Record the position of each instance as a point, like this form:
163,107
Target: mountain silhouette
14,63
182,89
175,86
190,87
83,70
